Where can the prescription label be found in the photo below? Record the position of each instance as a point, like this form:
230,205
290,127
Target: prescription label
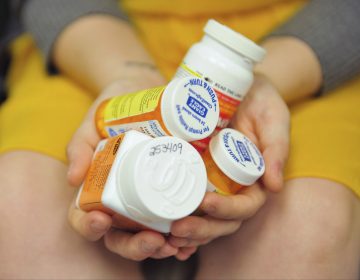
133,104
151,127
185,71
94,184
228,102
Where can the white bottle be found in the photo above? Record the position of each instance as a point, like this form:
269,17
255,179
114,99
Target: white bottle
151,181
225,59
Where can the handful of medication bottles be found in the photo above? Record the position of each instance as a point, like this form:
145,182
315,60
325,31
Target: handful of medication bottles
146,171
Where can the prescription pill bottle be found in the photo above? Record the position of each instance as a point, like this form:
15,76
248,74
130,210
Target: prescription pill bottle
150,181
232,162
225,59
187,108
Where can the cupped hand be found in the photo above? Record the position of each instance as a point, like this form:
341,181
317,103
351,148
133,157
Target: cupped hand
223,216
264,117
95,225
84,141
137,246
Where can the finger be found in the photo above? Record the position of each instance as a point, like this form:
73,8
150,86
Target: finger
242,123
178,242
165,251
202,228
275,146
185,253
135,247
181,242
92,225
273,177
80,152
234,207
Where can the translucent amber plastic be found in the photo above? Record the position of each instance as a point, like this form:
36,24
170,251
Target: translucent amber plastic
219,179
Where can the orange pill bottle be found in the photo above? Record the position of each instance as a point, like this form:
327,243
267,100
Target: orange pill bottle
187,108
232,161
144,182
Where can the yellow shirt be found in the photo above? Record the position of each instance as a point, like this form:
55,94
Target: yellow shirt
42,112
169,28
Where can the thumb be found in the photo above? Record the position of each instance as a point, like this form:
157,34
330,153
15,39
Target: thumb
275,148
273,177
275,153
91,225
80,152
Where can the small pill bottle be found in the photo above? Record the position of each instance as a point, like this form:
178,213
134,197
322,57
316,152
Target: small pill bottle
144,182
232,161
225,59
187,108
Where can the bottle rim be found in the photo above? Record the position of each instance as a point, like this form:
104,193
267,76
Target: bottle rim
234,40
164,186
236,156
183,120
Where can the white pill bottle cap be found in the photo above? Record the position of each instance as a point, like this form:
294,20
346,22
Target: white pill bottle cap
161,180
237,156
234,40
190,108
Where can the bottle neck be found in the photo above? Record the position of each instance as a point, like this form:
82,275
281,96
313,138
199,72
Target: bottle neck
232,55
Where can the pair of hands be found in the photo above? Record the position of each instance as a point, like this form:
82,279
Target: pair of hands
262,116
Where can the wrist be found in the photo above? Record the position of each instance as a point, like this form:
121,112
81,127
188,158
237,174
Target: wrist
125,84
291,66
96,61
263,84
134,74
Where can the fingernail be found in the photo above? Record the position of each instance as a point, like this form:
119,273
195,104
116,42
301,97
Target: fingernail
98,227
147,248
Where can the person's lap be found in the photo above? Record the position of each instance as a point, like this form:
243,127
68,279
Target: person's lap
311,230
36,240
302,226
36,122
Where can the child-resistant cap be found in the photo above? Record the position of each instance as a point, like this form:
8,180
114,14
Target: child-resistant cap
164,179
237,156
190,108
234,40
